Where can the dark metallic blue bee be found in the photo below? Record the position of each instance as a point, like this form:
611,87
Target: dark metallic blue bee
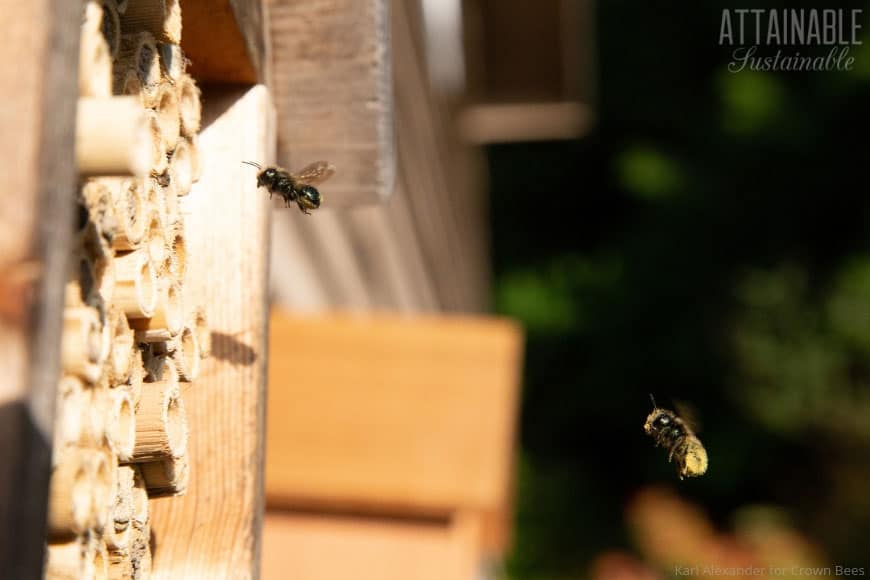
295,187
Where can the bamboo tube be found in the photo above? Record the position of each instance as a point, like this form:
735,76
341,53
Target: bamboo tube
171,205
159,161
167,477
168,114
130,209
140,500
120,565
140,552
102,259
181,167
162,18
184,350
110,27
120,357
95,415
81,343
97,197
84,557
117,532
190,105
102,465
137,376
168,318
154,360
135,284
99,559
161,423
172,60
67,561
69,501
203,333
157,244
195,158
71,404
126,82
121,427
114,136
178,254
137,54
95,53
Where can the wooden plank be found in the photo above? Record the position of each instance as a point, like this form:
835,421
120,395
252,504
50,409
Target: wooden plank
38,81
505,123
332,547
333,92
425,250
390,413
214,530
225,40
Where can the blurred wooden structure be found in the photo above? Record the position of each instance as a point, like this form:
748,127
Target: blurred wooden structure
389,433
529,70
424,248
39,83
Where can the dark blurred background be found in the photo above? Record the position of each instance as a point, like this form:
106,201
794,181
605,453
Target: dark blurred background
706,241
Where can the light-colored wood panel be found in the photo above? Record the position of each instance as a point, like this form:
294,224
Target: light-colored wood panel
333,93
332,547
38,81
213,530
413,413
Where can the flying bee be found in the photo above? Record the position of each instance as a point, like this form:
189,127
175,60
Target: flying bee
673,432
295,187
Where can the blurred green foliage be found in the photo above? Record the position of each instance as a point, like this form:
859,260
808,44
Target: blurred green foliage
710,242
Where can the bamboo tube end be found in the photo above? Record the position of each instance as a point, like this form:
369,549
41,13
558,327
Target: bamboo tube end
110,26
128,199
181,167
168,115
203,333
136,288
158,161
161,421
178,254
82,343
168,318
95,53
69,504
185,353
121,428
169,477
190,106
102,465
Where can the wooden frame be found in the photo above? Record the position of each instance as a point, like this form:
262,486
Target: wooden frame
38,81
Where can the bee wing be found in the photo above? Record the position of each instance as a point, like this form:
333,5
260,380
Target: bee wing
688,414
315,173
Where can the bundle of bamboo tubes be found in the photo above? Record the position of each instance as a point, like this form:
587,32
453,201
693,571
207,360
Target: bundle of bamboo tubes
129,337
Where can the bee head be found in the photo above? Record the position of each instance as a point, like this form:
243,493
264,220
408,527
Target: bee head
267,177
309,197
658,420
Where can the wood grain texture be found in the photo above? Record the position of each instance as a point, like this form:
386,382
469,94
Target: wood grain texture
213,530
225,40
38,81
333,93
391,413
332,547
